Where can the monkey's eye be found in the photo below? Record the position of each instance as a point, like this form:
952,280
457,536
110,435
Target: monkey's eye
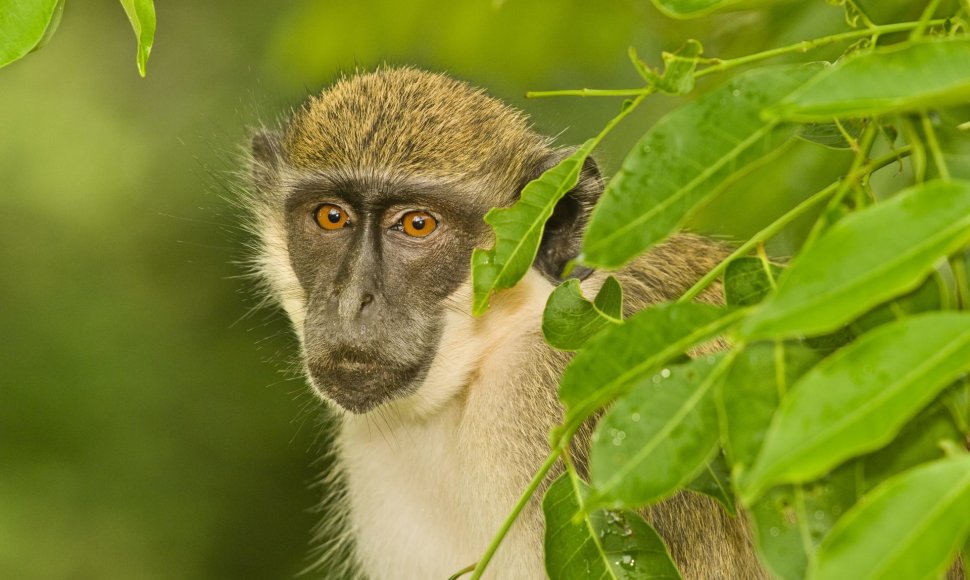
331,217
418,224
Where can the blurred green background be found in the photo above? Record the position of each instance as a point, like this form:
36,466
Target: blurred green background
151,426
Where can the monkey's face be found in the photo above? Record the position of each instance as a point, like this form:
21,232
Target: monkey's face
377,259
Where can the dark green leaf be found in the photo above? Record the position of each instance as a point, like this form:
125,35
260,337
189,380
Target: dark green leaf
933,294
24,25
865,259
858,399
746,283
906,77
656,438
518,229
605,544
141,14
910,527
918,442
749,396
612,361
829,134
789,521
715,481
569,320
675,167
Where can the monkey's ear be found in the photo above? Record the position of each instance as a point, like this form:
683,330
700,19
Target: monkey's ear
266,158
564,230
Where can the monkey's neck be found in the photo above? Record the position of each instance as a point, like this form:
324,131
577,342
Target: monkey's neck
431,481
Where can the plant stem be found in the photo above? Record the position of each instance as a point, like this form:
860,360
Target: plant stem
462,572
507,525
776,226
924,19
935,149
726,64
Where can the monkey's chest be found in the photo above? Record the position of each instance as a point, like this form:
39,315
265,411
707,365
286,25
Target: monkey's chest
423,505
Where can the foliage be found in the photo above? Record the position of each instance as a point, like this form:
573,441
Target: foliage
27,26
840,403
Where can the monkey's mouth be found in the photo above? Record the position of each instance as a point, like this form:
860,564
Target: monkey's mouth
358,386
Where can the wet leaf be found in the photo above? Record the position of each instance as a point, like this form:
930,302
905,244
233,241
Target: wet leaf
518,229
674,167
569,320
656,438
907,77
865,259
611,362
858,399
749,396
605,544
909,527
790,521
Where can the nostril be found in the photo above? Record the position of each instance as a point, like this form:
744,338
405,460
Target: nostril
365,300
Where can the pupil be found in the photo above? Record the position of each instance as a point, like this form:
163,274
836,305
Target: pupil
418,223
333,216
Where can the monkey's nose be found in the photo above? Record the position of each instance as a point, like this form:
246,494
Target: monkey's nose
365,300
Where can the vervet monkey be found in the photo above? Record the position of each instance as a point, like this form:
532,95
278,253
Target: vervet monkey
367,204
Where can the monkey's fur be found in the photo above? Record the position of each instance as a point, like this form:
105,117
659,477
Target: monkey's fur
434,451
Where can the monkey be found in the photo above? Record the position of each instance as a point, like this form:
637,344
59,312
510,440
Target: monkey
366,204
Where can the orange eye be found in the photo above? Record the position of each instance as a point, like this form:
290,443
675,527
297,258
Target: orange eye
331,217
418,224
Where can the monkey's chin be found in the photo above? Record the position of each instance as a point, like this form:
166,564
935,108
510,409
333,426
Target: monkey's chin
360,390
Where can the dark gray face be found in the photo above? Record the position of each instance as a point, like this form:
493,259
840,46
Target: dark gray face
377,256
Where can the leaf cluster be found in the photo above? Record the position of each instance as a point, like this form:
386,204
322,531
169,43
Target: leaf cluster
837,414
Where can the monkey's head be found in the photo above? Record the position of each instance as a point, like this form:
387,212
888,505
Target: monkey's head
368,203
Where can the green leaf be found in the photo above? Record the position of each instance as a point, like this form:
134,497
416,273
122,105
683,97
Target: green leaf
715,481
141,14
864,259
656,438
858,399
916,443
790,521
749,395
745,281
569,320
605,544
910,527
907,77
679,66
674,167
695,8
612,361
829,134
518,229
24,25
933,294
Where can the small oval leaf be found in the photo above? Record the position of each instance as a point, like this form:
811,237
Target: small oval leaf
909,527
569,320
858,399
865,259
746,282
605,544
